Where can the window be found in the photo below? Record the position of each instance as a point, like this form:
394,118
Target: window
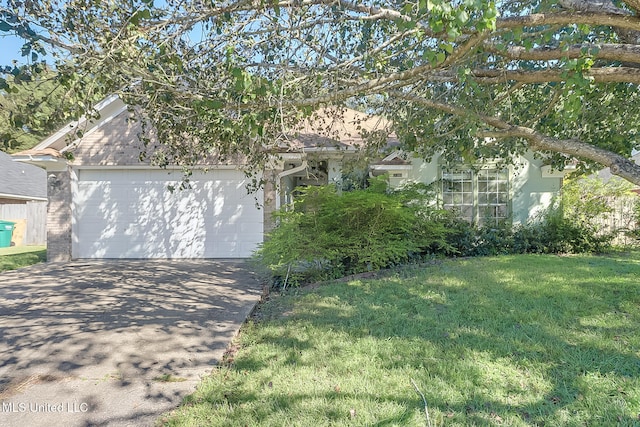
457,192
479,196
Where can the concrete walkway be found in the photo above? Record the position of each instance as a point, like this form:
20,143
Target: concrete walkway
114,343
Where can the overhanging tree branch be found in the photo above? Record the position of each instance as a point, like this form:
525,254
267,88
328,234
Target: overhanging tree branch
609,51
253,64
619,165
633,4
567,18
598,75
22,28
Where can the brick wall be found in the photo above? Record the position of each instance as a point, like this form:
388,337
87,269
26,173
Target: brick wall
59,216
116,143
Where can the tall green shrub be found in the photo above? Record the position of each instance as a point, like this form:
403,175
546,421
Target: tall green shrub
551,232
634,233
330,233
592,200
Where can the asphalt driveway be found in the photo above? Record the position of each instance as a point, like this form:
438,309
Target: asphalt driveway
114,342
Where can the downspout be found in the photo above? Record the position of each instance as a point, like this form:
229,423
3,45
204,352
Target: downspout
282,174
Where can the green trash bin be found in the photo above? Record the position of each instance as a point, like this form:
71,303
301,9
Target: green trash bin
6,230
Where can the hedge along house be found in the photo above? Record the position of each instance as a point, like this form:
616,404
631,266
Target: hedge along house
107,203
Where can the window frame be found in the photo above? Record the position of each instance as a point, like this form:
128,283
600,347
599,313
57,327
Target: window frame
473,191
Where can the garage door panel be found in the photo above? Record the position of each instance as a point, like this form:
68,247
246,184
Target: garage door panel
133,214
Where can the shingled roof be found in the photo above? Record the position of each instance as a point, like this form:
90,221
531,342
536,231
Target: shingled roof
21,181
341,128
114,138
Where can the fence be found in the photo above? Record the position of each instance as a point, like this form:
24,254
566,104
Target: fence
34,213
622,219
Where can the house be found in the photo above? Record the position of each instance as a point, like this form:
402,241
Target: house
483,194
23,200
107,203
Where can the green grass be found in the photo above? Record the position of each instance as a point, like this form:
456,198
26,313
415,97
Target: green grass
514,340
21,256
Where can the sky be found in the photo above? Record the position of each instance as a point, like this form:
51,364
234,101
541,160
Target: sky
10,49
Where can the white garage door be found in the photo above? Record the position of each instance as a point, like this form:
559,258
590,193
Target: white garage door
134,214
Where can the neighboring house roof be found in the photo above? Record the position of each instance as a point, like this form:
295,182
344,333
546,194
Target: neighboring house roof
394,159
47,151
394,162
21,181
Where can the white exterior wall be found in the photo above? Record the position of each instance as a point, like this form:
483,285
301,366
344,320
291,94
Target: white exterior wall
334,171
531,193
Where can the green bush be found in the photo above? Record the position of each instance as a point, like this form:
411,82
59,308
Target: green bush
609,208
472,240
463,236
531,238
328,234
588,200
634,233
557,233
495,239
550,233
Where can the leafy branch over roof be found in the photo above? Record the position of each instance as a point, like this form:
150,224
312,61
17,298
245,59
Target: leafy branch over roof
469,78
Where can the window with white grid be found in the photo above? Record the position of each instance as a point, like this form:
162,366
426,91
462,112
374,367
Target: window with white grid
480,196
457,192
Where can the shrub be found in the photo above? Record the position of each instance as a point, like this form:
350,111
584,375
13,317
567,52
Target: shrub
554,232
463,236
605,207
633,233
495,239
328,234
589,200
472,240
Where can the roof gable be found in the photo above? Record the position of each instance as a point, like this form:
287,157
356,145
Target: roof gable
341,128
107,110
113,138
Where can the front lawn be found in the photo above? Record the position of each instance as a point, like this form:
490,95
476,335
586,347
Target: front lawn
15,257
516,340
